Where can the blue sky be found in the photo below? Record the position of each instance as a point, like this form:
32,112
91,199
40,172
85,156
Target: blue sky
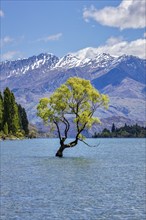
59,27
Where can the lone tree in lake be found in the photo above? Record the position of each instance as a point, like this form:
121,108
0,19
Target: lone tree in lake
77,97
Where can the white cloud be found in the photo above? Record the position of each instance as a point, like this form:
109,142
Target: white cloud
116,47
114,40
144,35
54,37
1,13
6,40
129,14
10,55
135,48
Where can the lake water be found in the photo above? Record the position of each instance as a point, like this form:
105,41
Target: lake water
106,182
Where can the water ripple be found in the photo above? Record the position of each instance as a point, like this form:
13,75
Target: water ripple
87,184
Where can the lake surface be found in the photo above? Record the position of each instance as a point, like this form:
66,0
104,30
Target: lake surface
106,182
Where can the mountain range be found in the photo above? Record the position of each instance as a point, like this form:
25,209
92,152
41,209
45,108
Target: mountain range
122,78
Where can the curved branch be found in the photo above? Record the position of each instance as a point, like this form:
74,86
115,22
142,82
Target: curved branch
66,122
58,130
88,144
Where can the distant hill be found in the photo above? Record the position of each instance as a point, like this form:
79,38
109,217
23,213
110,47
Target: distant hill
122,78
134,131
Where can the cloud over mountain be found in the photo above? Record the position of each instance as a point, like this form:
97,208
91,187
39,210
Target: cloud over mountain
119,46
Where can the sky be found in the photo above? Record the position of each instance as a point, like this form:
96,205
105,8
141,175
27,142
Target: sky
60,27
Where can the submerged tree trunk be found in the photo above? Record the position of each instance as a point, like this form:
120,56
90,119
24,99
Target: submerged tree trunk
60,151
63,146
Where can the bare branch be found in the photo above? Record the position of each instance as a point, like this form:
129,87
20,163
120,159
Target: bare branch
88,144
66,122
58,130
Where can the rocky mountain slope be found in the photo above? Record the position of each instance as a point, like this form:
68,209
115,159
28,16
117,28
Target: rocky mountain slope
122,78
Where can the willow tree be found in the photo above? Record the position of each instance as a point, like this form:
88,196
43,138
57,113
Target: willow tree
77,97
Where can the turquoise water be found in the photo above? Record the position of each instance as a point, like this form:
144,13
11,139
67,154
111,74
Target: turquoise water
107,182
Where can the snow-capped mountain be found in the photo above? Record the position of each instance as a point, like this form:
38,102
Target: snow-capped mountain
122,78
23,66
75,60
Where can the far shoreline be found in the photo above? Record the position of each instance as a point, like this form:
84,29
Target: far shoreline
21,139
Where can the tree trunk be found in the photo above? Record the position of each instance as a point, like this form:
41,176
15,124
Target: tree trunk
60,151
63,146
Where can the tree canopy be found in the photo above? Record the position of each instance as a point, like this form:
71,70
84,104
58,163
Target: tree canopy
77,97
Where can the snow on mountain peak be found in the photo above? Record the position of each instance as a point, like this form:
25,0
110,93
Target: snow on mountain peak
68,61
23,66
38,76
90,53
84,57
88,58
